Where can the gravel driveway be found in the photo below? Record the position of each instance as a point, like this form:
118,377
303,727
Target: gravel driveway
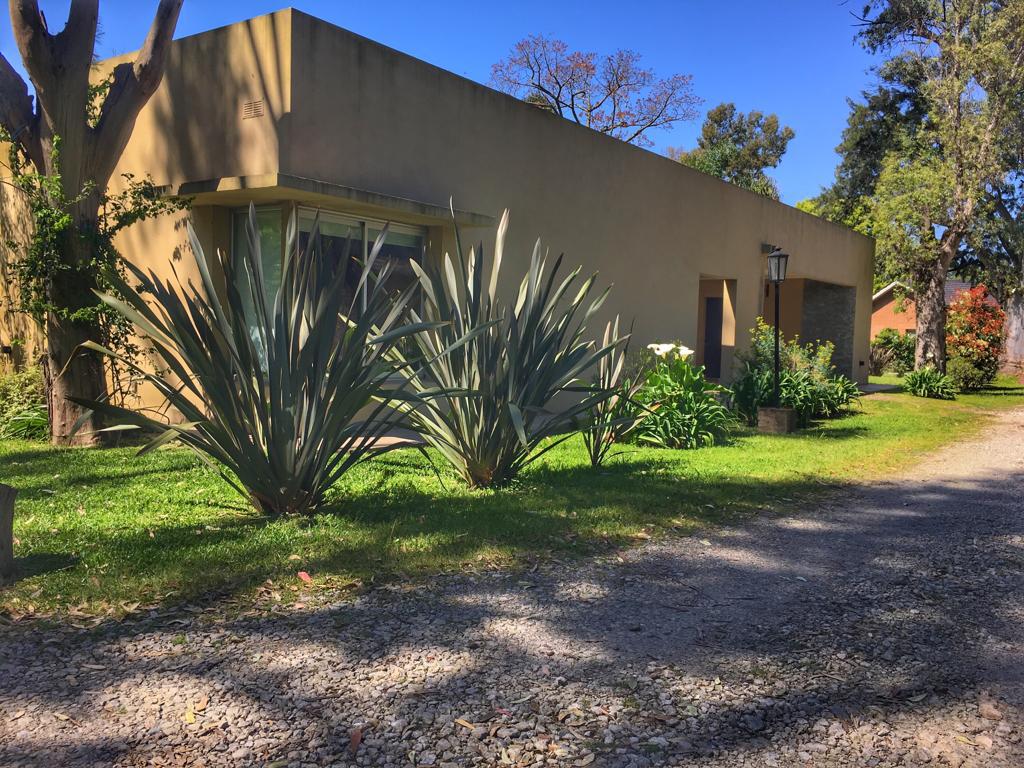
881,629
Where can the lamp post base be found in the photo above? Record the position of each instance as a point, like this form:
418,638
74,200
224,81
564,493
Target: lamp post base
776,421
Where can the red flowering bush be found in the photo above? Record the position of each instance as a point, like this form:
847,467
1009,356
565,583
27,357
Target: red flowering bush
974,331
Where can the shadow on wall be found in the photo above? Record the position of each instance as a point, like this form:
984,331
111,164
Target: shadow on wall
235,84
21,337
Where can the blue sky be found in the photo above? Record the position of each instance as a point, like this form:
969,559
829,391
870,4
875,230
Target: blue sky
796,58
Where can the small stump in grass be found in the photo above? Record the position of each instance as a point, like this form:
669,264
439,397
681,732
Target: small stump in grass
776,421
7,495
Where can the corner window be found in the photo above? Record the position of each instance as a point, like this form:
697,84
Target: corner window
340,236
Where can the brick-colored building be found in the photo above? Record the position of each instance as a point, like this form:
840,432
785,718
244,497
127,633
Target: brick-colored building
893,308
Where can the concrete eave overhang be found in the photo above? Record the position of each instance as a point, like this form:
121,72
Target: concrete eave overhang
240,190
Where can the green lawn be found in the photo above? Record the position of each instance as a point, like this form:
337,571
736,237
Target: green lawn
99,530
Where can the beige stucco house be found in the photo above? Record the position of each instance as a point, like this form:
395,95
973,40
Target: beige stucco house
290,112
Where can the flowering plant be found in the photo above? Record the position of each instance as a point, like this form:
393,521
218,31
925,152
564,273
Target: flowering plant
681,408
974,331
670,350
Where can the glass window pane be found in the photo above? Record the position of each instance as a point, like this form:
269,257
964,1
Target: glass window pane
269,222
341,243
399,248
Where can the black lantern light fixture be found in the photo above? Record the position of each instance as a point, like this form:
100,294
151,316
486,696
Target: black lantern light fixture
778,261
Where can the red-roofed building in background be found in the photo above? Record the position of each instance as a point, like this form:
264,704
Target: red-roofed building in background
892,306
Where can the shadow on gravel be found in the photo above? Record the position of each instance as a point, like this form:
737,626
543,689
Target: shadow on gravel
884,605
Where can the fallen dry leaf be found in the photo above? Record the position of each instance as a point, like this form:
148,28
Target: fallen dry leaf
355,739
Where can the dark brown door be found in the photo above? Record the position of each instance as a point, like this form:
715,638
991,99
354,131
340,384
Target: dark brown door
713,337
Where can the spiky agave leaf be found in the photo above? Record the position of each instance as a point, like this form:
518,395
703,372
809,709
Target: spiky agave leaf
611,421
495,380
273,400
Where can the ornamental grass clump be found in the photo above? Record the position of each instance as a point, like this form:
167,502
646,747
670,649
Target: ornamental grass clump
930,382
23,414
613,420
499,384
272,396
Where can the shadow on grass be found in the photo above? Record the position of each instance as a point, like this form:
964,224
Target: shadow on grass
1014,391
40,563
781,602
561,513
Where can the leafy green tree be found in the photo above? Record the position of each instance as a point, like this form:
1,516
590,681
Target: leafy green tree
994,255
73,142
933,188
894,109
739,148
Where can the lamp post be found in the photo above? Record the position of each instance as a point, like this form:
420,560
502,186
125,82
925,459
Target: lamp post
778,260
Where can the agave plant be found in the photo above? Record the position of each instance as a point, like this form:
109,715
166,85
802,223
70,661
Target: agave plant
274,396
494,381
613,420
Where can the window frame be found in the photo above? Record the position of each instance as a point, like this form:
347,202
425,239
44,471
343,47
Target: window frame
364,223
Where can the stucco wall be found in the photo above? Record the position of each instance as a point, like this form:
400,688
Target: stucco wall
21,337
343,113
649,225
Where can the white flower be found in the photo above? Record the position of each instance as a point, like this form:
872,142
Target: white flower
662,350
669,350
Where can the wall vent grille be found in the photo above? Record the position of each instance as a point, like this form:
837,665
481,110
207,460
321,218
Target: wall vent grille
252,109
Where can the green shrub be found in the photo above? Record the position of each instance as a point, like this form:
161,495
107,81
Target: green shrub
23,414
892,352
498,380
682,408
929,382
808,381
277,396
966,376
613,420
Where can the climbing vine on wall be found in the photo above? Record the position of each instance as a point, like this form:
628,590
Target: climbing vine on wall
36,263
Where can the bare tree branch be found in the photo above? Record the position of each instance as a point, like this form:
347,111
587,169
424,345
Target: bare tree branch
78,38
132,86
34,42
16,113
615,96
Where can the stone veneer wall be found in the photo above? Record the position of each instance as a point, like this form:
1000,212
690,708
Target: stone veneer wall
828,313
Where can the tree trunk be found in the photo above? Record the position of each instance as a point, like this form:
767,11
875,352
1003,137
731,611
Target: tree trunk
71,370
7,495
59,67
1013,348
930,305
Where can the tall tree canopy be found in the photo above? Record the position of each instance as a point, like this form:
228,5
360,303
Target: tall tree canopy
895,108
921,156
739,148
75,143
612,94
994,251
